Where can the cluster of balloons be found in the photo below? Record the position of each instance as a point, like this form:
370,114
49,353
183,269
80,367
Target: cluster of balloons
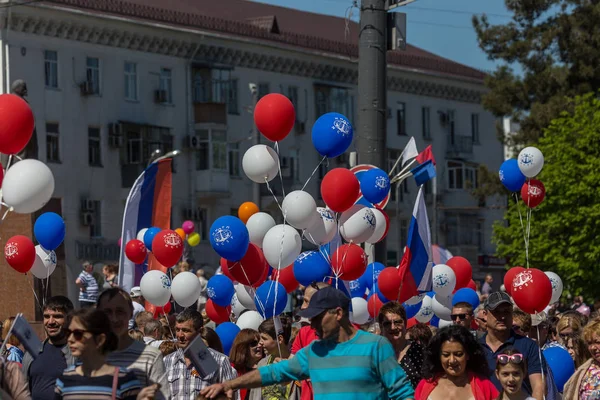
187,232
23,256
165,244
516,175
157,288
531,289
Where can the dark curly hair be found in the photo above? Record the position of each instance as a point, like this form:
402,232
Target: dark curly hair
476,363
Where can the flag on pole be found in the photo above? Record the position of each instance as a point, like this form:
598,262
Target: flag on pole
424,172
409,152
416,264
148,204
426,155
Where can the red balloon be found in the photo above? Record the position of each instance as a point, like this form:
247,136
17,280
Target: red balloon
274,116
462,269
1,175
349,262
531,290
262,279
136,251
167,247
389,283
533,193
411,322
472,285
225,270
250,268
508,278
158,312
19,253
340,189
16,124
216,313
373,305
286,278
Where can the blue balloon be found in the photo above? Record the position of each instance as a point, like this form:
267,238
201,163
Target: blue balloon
220,290
434,321
332,134
270,299
374,185
466,295
412,310
511,176
227,331
49,230
561,364
369,278
149,236
357,288
229,238
311,266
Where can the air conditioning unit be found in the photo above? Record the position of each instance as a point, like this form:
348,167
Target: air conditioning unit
300,127
86,88
193,142
115,141
115,129
88,205
160,96
87,218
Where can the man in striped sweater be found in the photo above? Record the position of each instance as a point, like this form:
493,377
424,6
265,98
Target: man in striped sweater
345,364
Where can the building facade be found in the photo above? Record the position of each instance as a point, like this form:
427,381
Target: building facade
113,82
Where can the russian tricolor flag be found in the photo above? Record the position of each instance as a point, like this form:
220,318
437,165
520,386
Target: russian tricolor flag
148,204
416,264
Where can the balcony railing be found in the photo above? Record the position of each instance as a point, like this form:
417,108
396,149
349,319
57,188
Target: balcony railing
210,98
458,145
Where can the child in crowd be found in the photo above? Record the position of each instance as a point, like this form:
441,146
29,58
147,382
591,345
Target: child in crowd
511,369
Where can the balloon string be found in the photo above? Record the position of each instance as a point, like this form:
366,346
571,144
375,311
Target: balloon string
6,213
314,172
252,289
540,356
178,351
339,272
273,194
523,230
279,169
529,214
34,293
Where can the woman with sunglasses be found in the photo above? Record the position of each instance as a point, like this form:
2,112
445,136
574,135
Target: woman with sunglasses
246,352
511,370
90,339
455,368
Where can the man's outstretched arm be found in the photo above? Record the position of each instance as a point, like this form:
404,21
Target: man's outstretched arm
247,381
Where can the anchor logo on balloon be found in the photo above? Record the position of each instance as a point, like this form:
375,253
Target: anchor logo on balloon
381,183
222,235
441,280
302,256
166,282
51,257
210,292
426,311
11,250
342,126
523,279
354,285
526,158
370,218
326,214
534,191
501,174
172,240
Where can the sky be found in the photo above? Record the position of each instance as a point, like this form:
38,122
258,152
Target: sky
442,27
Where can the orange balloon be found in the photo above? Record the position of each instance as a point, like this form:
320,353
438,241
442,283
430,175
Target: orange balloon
247,210
181,233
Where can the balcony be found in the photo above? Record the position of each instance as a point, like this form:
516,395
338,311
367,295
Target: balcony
210,98
212,184
459,146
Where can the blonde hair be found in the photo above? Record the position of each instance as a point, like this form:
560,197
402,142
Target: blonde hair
591,329
569,322
6,328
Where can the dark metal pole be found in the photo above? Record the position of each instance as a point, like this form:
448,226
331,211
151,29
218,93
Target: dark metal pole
372,104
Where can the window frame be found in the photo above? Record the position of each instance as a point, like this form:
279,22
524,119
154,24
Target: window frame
89,75
56,140
98,142
130,77
166,83
47,71
426,122
401,119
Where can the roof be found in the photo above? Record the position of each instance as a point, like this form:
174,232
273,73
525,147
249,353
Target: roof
267,22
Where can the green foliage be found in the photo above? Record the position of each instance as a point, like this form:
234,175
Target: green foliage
565,228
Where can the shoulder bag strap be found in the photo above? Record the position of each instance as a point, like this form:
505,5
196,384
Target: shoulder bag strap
115,383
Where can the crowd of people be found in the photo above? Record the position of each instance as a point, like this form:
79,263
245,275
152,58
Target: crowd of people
110,347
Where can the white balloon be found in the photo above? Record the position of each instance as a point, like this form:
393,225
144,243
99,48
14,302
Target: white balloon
28,185
236,307
141,233
44,264
531,161
299,209
444,280
245,296
186,288
442,306
323,228
260,163
250,320
426,311
357,224
443,323
281,246
360,311
156,287
381,226
258,225
415,299
502,288
557,286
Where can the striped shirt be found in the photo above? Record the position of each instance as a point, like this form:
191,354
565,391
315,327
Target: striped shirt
362,368
71,385
147,364
90,294
186,383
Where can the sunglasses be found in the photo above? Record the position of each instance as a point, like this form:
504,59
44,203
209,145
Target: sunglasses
314,285
388,324
77,333
461,317
254,343
513,358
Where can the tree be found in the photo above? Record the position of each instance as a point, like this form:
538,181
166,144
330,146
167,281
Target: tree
556,43
566,226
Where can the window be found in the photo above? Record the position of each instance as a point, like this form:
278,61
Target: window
232,100
131,81
94,152
401,118
203,228
462,175
451,125
213,150
93,74
334,99
426,122
392,258
52,143
135,153
96,225
166,84
263,90
464,229
475,128
234,159
51,69
293,96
